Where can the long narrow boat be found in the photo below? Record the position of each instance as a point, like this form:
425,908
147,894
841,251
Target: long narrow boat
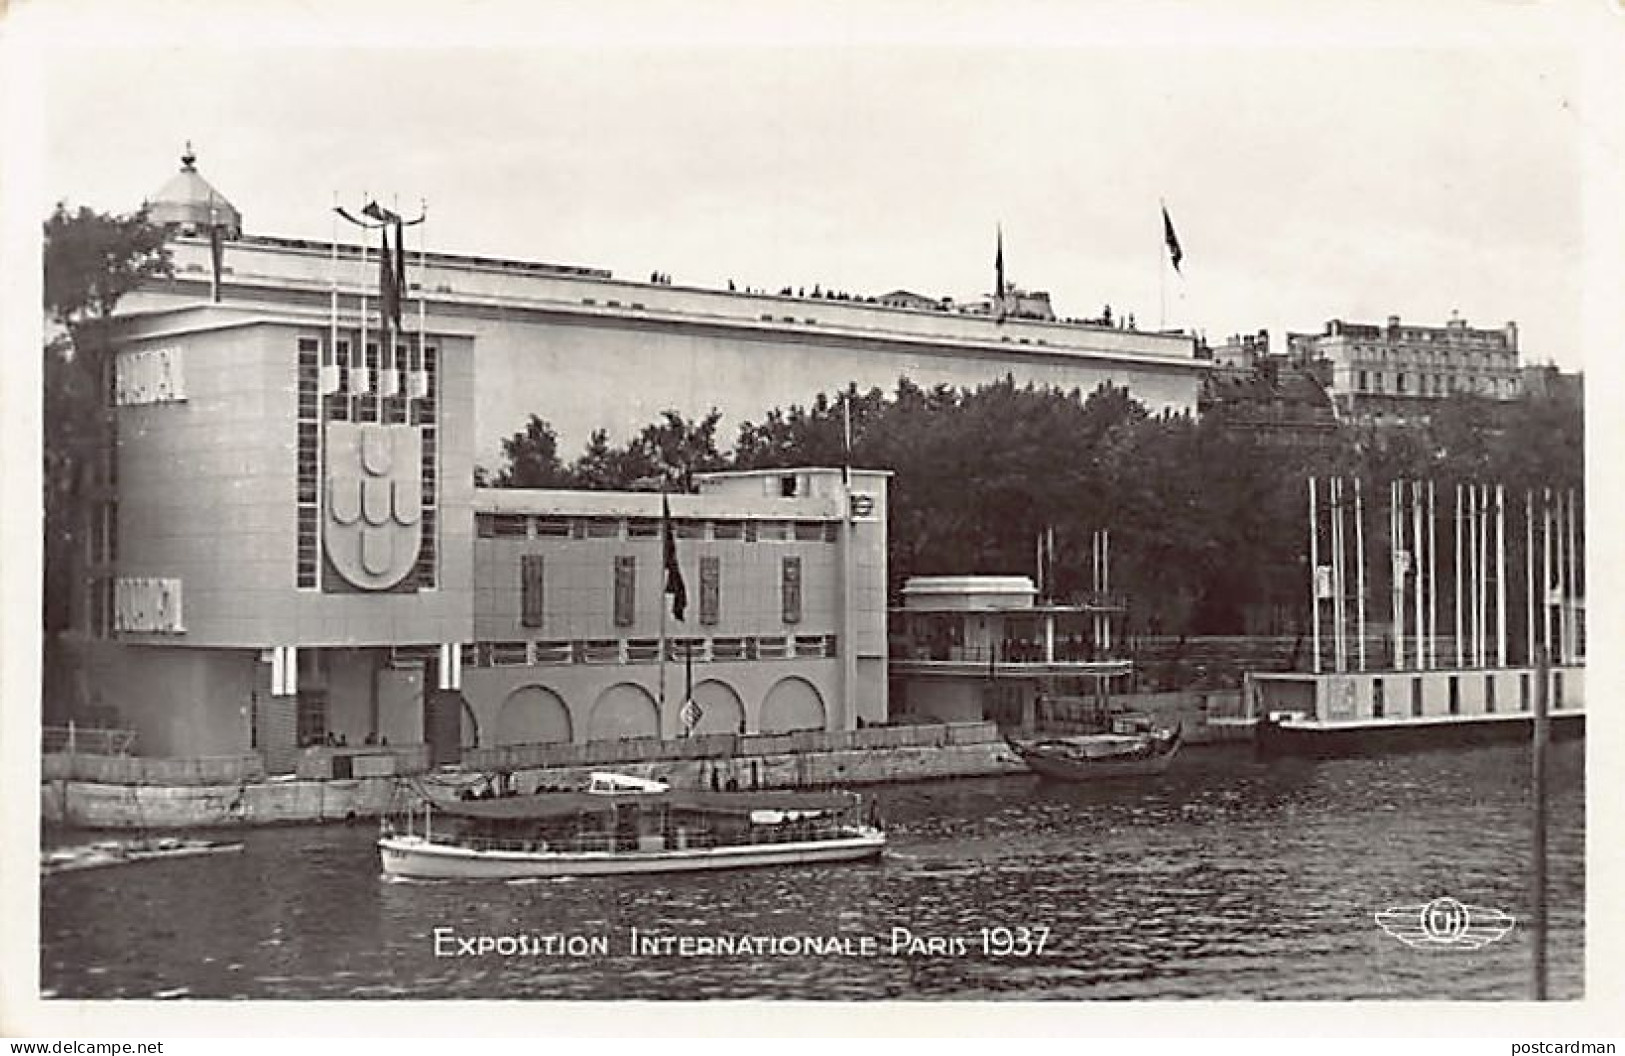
1143,752
630,831
115,852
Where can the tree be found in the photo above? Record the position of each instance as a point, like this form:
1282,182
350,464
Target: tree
91,261
668,452
533,458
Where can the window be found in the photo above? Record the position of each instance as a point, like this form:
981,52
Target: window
727,529
1523,691
509,654
626,571
531,592
1376,698
307,464
425,414
1455,695
1364,381
552,652
603,528
772,531
601,651
688,529
809,645
643,528
809,532
501,525
727,649
643,650
1416,698
1489,694
710,589
1557,689
771,649
790,589
679,650
552,528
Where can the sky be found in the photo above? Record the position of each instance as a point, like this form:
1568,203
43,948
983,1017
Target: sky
1312,172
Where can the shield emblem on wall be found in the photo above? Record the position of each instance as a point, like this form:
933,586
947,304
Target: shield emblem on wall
374,502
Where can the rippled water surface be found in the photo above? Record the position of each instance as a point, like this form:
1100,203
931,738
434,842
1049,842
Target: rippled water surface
1226,878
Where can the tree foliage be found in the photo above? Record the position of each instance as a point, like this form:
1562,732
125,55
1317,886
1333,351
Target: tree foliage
91,261
665,454
1208,523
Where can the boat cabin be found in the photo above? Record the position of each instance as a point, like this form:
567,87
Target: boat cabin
578,822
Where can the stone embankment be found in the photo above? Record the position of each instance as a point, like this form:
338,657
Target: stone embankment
134,792
131,792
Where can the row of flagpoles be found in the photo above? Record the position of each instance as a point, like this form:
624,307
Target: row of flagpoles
1479,573
397,376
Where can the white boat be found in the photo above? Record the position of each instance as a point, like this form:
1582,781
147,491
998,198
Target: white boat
605,832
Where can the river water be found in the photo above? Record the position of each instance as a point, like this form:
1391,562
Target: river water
1226,878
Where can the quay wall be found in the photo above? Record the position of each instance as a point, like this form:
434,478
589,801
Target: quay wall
912,754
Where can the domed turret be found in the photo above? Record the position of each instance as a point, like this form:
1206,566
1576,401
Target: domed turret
189,204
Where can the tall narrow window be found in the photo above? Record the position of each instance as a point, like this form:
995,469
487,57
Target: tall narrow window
626,571
307,463
425,412
530,590
710,589
790,583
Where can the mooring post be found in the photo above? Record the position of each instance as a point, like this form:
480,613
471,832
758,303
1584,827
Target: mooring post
1538,798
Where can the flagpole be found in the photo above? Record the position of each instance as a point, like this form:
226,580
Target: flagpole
359,354
1314,577
1529,575
1359,572
665,529
1574,588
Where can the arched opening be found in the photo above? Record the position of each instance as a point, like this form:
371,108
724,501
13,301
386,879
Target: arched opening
533,715
721,710
623,711
792,704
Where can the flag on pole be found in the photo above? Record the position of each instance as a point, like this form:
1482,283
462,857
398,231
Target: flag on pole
691,714
1174,252
674,575
998,265
389,297
998,275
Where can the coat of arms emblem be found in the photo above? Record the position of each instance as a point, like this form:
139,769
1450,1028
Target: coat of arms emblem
374,502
